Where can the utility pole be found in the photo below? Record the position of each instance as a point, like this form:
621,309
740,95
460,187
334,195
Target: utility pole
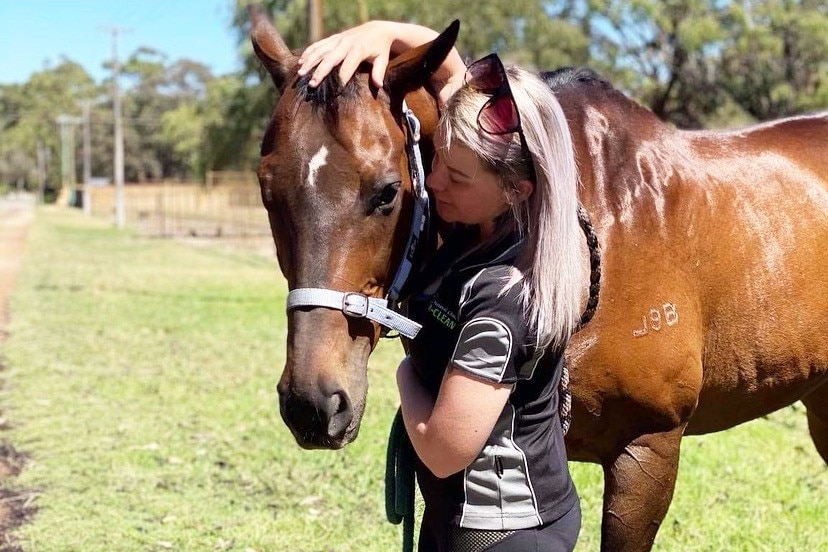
87,156
41,171
315,29
68,178
362,9
120,215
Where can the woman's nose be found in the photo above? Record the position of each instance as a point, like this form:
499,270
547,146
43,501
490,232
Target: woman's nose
436,180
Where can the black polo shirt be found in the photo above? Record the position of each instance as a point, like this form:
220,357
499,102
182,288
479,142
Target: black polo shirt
520,478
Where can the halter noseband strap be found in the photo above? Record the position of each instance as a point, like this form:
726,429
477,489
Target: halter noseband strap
373,308
355,305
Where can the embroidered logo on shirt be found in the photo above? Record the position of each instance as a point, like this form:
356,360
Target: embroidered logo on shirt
442,315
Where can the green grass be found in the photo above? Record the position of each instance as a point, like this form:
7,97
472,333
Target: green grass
141,381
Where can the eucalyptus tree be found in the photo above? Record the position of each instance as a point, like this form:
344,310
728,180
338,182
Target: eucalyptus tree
775,61
154,90
663,52
28,128
711,62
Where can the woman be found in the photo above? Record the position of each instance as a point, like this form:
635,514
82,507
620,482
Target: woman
503,290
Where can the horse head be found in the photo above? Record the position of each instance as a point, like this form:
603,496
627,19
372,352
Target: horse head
335,180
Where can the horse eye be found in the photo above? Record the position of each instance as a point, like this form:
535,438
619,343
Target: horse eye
384,200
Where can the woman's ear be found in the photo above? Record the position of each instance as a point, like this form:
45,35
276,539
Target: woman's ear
523,189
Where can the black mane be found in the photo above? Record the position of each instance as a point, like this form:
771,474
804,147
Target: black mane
568,76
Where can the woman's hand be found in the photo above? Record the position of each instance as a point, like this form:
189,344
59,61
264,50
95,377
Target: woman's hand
371,41
375,42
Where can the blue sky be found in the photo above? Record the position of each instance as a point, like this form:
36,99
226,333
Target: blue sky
37,33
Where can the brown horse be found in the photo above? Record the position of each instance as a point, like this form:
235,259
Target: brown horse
715,270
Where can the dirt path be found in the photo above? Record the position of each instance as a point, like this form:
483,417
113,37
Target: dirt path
16,215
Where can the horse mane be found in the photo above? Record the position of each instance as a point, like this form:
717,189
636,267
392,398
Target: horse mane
567,76
577,87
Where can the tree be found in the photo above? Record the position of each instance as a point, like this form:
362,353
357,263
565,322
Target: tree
27,119
776,62
662,52
235,116
156,95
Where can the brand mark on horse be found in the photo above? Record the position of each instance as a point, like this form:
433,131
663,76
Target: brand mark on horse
655,321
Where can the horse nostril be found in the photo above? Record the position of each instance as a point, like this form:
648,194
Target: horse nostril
339,414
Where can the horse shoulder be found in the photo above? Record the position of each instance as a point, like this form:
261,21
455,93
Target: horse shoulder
632,182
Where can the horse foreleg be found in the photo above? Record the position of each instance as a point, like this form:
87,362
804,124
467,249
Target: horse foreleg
638,488
817,404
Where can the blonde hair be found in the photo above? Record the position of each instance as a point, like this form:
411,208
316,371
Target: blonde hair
550,276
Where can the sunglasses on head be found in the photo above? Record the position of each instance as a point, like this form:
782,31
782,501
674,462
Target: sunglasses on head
499,115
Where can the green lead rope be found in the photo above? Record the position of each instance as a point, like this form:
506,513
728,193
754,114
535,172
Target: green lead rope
399,481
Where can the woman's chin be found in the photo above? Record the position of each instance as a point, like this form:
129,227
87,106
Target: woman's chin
445,213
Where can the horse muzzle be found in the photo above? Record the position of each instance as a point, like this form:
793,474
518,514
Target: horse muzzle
319,419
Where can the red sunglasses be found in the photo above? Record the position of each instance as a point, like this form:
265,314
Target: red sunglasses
499,115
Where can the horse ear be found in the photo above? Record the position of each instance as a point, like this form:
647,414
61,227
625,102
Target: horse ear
269,46
412,69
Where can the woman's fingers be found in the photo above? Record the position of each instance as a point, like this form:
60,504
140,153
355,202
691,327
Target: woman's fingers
328,62
321,57
315,53
349,66
368,42
378,70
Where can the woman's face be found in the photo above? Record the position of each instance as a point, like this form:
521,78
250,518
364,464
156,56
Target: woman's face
464,189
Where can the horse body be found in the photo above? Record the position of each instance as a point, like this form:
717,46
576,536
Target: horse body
714,266
713,303
713,308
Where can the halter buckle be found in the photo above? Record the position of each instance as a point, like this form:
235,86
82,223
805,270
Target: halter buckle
355,305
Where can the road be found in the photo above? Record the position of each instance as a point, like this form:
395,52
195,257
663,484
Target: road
16,215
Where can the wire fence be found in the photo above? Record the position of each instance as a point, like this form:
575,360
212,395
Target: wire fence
229,205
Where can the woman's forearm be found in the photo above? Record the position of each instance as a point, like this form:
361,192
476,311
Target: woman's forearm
436,443
408,35
416,403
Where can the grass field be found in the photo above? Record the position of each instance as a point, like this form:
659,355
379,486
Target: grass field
141,381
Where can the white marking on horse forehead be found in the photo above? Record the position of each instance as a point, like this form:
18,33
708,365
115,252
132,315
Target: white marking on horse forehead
317,161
